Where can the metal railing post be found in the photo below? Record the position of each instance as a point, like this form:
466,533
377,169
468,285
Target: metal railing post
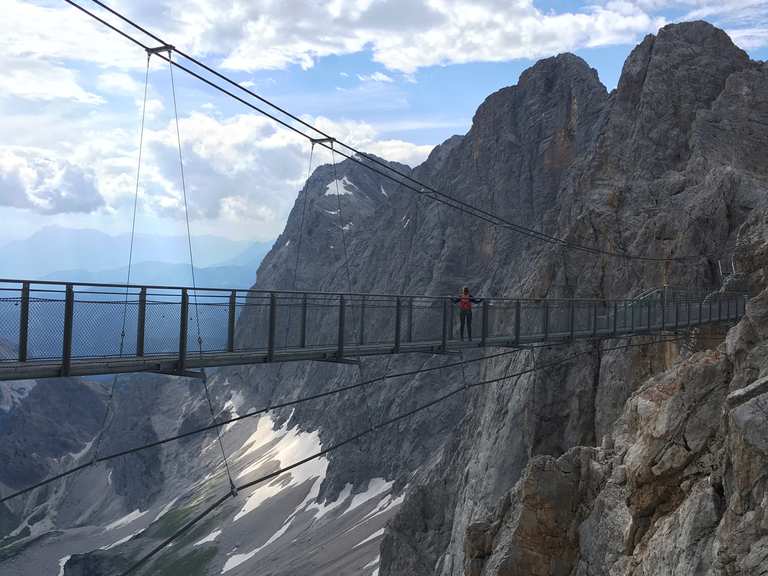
677,314
444,343
398,314
719,307
700,320
410,319
451,320
183,329
518,309
303,326
141,321
271,329
688,313
572,320
69,310
648,313
342,317
24,323
594,319
545,320
615,318
231,316
484,332
362,321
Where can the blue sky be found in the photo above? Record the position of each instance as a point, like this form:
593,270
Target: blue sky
395,77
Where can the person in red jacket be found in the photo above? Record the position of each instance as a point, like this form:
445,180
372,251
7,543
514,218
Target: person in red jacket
465,302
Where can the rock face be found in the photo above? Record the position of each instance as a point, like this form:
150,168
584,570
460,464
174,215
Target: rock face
637,461
663,172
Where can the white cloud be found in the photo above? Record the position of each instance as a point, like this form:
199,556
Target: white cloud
408,35
40,80
375,77
119,83
35,180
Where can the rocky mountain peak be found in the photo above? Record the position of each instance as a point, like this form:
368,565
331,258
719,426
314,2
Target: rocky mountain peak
665,81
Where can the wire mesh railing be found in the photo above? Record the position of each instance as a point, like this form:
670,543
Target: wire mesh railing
66,322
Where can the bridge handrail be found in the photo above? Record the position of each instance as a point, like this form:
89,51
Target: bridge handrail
266,292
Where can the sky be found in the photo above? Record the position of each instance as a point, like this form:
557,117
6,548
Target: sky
394,77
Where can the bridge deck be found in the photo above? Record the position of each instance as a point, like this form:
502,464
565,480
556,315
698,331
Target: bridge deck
53,329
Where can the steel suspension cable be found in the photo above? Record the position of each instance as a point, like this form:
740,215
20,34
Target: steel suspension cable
302,215
340,220
372,163
249,415
340,444
113,385
288,404
192,269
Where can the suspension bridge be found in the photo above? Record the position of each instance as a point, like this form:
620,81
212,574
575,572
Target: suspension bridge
50,329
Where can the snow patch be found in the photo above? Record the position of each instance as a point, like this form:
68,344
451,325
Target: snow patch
210,538
122,540
125,520
288,243
377,534
323,509
63,562
290,446
234,404
341,187
238,559
331,212
381,188
376,487
406,223
12,393
165,509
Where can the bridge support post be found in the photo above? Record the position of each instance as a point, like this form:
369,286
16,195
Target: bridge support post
342,318
183,330
69,309
24,322
518,310
398,321
141,321
271,328
484,332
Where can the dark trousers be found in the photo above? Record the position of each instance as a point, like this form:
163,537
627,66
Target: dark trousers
465,316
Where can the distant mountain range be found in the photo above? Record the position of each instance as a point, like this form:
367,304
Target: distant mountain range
57,253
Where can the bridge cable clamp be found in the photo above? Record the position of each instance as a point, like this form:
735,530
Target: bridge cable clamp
160,49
